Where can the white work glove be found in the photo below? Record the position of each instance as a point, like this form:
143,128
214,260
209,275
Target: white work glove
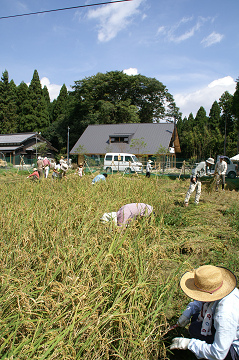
183,321
180,343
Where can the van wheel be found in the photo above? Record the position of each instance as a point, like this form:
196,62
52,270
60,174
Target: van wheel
127,170
231,175
108,170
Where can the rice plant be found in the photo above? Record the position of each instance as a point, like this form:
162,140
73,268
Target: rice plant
73,288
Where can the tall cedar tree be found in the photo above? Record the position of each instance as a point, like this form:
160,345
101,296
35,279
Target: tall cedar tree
38,116
23,107
8,108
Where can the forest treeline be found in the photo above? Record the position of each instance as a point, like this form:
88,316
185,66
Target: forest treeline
113,98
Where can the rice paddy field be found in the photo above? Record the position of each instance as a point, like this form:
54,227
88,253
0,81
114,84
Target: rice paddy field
74,288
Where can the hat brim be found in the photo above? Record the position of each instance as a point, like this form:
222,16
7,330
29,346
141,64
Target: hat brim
189,288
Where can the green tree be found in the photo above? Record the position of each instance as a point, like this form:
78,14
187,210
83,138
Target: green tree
216,138
38,115
227,125
235,110
8,108
138,145
23,107
142,99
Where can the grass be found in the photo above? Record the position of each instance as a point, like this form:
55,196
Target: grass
73,288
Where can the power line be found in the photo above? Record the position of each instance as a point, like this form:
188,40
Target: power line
67,8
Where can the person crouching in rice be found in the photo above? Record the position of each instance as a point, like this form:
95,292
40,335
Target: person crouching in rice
127,213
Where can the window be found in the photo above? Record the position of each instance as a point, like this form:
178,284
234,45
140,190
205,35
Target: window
119,139
128,158
108,157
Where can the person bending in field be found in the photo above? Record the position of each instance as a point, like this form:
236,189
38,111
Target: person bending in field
127,213
201,169
99,178
35,175
214,314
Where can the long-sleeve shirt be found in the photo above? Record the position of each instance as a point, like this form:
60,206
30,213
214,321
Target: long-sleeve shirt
221,167
200,170
131,211
226,322
98,178
35,173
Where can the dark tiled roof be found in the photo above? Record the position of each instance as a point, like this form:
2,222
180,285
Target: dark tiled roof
15,138
95,139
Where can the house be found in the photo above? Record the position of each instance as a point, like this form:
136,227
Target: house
15,146
144,140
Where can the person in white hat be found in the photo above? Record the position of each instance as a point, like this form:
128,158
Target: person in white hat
214,314
34,175
148,168
220,172
201,169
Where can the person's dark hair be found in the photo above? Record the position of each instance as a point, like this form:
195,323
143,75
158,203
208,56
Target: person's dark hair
105,175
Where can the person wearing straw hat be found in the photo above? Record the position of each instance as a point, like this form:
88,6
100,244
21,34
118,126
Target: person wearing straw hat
220,172
148,168
214,314
201,169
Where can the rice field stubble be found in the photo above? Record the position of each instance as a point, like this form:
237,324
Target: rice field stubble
73,288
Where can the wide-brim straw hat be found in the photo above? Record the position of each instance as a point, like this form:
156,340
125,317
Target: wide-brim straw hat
210,161
208,283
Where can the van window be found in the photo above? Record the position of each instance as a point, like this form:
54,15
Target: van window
128,158
108,157
116,158
135,158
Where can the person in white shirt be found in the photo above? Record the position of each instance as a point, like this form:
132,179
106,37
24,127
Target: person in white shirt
148,168
201,169
214,314
220,172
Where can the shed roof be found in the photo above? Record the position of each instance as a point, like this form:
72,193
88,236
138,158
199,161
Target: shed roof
95,139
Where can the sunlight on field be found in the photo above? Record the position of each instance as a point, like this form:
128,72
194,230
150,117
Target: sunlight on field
73,288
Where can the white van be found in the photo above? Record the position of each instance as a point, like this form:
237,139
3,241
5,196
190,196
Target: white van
122,162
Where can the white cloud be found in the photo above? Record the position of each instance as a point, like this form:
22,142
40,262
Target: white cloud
52,88
131,71
113,18
211,39
190,103
184,29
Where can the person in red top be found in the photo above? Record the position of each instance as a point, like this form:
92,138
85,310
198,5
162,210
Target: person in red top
35,174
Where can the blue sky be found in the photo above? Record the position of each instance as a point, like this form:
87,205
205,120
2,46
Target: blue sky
191,46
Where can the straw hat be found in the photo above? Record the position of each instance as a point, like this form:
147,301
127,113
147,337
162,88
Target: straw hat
208,283
210,161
